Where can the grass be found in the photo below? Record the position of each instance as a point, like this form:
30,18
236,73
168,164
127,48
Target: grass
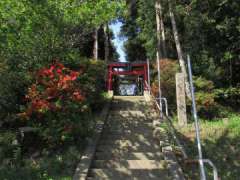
221,144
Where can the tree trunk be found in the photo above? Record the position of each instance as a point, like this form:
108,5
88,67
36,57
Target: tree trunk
160,29
159,46
179,49
106,42
159,54
95,46
230,72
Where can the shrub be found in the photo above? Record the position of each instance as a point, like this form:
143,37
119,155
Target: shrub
9,146
229,96
57,106
168,70
13,86
93,82
205,95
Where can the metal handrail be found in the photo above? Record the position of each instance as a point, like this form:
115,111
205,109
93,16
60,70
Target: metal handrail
174,135
165,103
215,171
169,123
200,159
196,121
157,99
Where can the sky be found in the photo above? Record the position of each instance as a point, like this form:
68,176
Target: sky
118,42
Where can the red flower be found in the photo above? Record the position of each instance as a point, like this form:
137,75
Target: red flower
52,84
59,71
51,92
59,65
77,96
40,105
52,67
74,75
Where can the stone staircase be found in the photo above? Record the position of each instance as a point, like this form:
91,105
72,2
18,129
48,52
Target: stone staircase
127,148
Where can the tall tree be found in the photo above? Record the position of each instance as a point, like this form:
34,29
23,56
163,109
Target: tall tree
134,48
33,33
106,42
179,49
158,19
95,44
160,30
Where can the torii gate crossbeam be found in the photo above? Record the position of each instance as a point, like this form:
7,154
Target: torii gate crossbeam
135,69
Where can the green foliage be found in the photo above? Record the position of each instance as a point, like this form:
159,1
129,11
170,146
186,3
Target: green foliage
146,21
33,33
56,105
51,165
211,36
208,31
60,102
97,12
92,79
229,96
220,139
169,68
134,48
205,97
9,144
61,118
207,100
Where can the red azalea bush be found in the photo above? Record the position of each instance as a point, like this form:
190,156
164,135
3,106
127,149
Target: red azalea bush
54,86
56,105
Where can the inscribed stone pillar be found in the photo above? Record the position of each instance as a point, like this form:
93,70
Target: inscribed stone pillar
181,99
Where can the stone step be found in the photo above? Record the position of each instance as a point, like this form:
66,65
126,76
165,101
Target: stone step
129,124
130,164
143,108
115,108
144,136
127,142
138,100
124,174
129,148
125,131
129,156
128,104
120,117
122,122
128,121
129,114
126,113
138,113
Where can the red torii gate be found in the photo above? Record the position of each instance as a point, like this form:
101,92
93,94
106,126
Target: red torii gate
135,68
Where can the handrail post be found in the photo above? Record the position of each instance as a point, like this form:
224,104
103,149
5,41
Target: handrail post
215,172
149,80
159,87
200,156
166,105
